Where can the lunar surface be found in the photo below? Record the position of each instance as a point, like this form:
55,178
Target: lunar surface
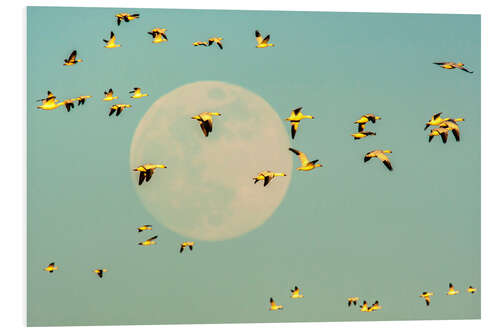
207,192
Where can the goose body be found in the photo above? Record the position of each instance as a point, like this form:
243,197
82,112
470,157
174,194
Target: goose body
111,43
375,306
186,244
118,108
273,306
125,17
262,42
137,93
295,117
296,293
366,118
206,121
50,104
427,296
100,271
146,171
362,134
72,59
149,241
145,227
306,164
217,40
352,300
81,99
159,35
267,176
158,38
451,290
381,155
436,120
51,267
199,43
452,126
108,95
364,307
452,65
443,132
69,104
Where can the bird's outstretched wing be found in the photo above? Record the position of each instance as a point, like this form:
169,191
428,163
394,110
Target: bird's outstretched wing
258,37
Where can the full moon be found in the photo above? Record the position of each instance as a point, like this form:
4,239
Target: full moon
207,191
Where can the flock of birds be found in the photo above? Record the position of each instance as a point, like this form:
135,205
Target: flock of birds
441,127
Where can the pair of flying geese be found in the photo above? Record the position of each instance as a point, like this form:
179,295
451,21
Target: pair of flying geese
362,121
444,126
216,40
152,241
51,268
295,294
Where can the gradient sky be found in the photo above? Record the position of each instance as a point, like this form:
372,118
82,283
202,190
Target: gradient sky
363,232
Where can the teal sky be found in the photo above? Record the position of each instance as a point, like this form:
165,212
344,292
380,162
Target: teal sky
362,231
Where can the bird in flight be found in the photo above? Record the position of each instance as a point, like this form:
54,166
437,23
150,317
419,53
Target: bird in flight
111,43
451,290
296,293
51,267
295,117
262,42
125,17
273,306
364,119
186,244
381,155
118,108
137,93
365,308
362,134
427,296
217,40
49,104
306,164
375,306
198,43
352,300
69,103
108,95
452,65
158,35
206,121
100,272
439,131
267,176
145,227
452,126
72,59
149,241
436,120
81,99
147,170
